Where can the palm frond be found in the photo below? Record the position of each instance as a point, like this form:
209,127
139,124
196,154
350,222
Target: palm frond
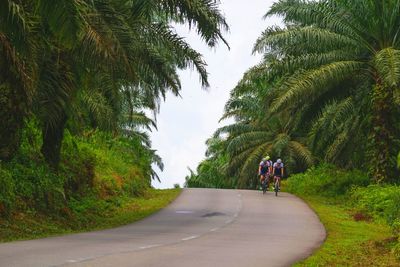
387,63
308,84
305,39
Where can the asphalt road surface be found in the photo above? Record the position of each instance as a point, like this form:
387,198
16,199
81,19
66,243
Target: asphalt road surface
202,227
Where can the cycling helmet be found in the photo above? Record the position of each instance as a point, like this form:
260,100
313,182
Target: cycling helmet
266,158
279,161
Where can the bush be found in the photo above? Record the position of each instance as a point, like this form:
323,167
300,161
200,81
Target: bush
398,161
7,191
96,167
136,184
77,166
326,180
396,250
380,201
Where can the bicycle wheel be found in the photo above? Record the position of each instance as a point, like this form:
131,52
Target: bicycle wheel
264,186
276,187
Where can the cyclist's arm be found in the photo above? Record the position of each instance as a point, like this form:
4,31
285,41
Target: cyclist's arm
259,170
283,171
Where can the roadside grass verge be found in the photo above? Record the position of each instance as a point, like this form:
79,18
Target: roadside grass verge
349,242
361,220
87,214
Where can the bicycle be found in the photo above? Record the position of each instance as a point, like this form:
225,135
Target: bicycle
264,184
276,185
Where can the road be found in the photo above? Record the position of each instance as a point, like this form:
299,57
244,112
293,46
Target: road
202,227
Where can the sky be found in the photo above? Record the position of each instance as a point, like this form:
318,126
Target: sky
186,122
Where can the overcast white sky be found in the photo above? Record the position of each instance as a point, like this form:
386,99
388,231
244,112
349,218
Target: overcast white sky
184,124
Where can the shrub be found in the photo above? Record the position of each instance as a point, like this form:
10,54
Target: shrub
136,184
380,201
77,166
396,250
95,167
326,180
37,185
7,191
398,161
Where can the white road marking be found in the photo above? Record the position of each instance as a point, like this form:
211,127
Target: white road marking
149,246
84,259
71,261
184,212
214,229
190,237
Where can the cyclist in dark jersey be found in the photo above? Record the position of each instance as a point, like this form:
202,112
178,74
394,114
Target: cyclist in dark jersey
265,169
278,171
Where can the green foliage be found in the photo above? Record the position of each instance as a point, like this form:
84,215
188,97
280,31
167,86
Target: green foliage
349,242
7,191
97,166
87,214
209,175
78,166
76,78
326,180
324,91
333,192
95,64
36,185
398,161
211,171
344,62
380,201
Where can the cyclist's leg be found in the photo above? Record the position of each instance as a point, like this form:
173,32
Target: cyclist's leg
276,179
279,181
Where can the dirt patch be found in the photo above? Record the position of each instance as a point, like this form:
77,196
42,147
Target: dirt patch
359,216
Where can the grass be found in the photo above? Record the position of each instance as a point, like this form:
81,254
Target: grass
87,215
358,230
349,242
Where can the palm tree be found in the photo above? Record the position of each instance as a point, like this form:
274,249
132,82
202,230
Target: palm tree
247,143
257,132
332,138
130,43
17,72
211,171
328,43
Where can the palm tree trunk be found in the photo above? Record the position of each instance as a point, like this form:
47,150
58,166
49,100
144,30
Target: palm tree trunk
53,134
12,122
382,137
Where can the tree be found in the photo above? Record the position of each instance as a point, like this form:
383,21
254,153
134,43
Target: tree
80,43
257,132
211,171
17,72
328,43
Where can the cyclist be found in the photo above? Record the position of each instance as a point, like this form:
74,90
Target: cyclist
265,169
278,171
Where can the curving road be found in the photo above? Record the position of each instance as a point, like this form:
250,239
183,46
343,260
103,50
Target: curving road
202,227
